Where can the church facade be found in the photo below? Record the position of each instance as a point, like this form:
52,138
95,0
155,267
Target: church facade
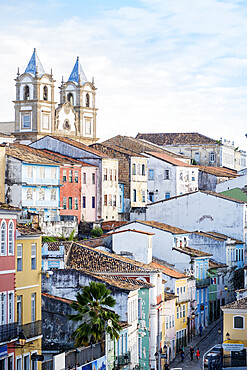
36,114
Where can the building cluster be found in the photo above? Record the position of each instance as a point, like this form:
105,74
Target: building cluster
173,210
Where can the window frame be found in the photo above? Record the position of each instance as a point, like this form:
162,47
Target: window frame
19,258
33,256
33,307
151,171
239,316
3,238
11,306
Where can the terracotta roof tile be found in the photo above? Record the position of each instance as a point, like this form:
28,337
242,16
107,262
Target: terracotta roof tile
241,304
215,265
27,229
217,236
102,147
65,160
55,246
167,158
188,138
162,226
219,171
8,207
192,252
111,225
65,300
130,230
169,296
23,153
95,242
170,271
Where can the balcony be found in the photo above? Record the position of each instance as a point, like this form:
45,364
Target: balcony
8,332
32,329
202,283
185,297
122,361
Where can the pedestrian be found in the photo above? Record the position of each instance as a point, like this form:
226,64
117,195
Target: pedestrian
198,354
182,354
191,353
167,366
200,328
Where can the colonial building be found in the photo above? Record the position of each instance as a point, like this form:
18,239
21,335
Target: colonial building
36,114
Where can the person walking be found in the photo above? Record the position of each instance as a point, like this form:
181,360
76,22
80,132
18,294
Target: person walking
200,329
198,354
182,354
167,366
191,353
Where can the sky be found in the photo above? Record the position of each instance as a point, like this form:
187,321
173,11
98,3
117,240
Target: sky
158,65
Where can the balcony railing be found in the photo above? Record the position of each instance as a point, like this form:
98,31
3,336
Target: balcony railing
32,329
122,360
8,332
185,297
202,283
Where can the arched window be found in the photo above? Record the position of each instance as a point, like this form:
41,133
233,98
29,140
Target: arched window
3,238
26,93
45,93
70,98
11,237
87,100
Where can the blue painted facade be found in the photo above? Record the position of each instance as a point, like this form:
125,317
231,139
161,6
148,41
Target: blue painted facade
120,198
52,258
41,190
201,266
239,255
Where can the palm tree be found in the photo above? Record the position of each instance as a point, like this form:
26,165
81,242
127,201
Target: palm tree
93,313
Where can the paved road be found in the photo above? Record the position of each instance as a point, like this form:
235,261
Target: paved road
210,338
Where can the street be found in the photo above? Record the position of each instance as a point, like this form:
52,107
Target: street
209,338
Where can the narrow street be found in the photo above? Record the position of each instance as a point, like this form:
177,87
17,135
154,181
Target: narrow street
209,338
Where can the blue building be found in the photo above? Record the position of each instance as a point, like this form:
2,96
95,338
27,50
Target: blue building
201,265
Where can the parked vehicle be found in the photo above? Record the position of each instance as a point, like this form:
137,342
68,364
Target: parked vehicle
214,353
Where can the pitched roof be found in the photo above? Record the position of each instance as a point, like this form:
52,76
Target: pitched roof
170,271
55,246
167,158
95,261
95,242
212,264
65,159
64,300
169,296
35,64
213,193
24,154
192,252
219,171
103,147
111,225
27,229
8,207
217,236
77,75
161,226
241,304
130,230
188,138
139,146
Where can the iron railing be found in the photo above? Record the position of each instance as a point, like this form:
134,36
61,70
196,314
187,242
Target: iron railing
122,360
8,332
202,283
32,329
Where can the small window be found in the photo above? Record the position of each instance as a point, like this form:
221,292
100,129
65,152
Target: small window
45,121
177,312
134,169
143,170
26,93
110,174
26,121
45,93
3,238
181,175
167,174
19,309
84,178
150,174
3,317
93,202
151,196
238,322
53,194
11,307
115,175
212,157
87,100
19,257
88,127
105,200
76,176
167,195
29,193
134,195
70,175
29,172
114,200
181,311
167,322
193,175
93,178
64,202
64,175
41,194
197,157
70,98
11,238
33,307
143,196
184,310
105,174
83,202
42,172
70,202
76,203
53,173
33,256
110,200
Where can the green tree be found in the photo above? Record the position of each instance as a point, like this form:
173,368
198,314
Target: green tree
94,315
96,232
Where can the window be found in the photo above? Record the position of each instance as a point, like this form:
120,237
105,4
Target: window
26,93
3,238
93,202
29,193
150,174
170,321
53,194
83,202
11,307
26,362
53,173
3,309
88,127
110,200
115,175
181,311
151,196
167,322
167,195
238,322
93,178
197,157
114,200
105,174
139,309
64,202
143,170
110,175
26,121
184,310
177,312
70,98
33,256
167,174
134,195
33,307
201,269
133,169
41,194
64,175
105,200
76,176
19,309
236,255
212,157
173,321
19,257
34,365
10,362
242,255
18,363
181,175
76,203
45,93
70,175
143,196
45,122
87,100
193,175
29,171
70,202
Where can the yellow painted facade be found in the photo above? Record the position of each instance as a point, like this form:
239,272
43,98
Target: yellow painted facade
28,296
228,327
181,311
2,174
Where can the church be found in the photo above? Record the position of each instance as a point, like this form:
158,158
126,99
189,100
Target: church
36,113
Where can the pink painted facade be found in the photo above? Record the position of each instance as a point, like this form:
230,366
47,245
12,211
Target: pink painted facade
89,193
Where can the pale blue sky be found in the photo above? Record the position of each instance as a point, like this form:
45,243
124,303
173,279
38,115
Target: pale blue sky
159,65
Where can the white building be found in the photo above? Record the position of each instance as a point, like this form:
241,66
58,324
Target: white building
238,182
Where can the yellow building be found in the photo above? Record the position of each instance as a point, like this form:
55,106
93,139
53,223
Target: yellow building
235,332
181,311
28,296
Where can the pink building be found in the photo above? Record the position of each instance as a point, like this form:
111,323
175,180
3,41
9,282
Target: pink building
89,193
